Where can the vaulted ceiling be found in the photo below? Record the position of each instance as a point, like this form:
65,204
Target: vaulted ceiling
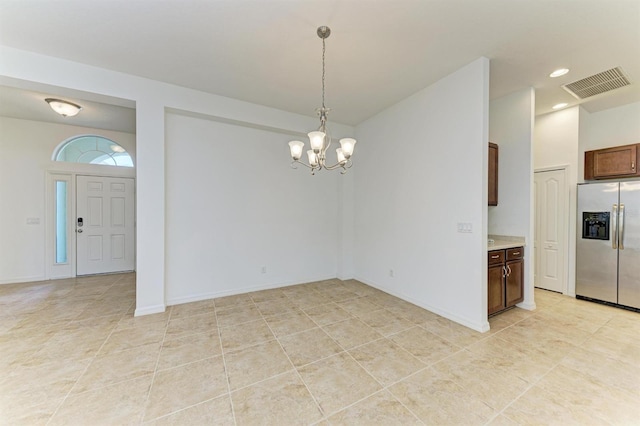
380,51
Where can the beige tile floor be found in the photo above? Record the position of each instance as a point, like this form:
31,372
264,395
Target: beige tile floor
332,352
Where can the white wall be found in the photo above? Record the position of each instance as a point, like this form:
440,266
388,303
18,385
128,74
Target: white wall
556,138
346,223
604,129
27,147
233,206
151,98
511,121
422,168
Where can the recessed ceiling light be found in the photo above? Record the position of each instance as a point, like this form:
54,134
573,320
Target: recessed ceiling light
560,105
559,72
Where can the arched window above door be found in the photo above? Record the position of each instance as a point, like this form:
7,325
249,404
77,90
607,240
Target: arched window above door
93,149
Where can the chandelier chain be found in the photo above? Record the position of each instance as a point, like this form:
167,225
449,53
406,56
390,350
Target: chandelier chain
323,50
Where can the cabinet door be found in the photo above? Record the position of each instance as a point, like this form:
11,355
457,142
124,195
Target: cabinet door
493,174
514,282
495,287
613,162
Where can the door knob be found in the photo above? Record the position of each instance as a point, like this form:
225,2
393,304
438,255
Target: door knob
79,231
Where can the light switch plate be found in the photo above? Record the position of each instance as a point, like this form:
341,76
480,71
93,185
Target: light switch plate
465,227
33,221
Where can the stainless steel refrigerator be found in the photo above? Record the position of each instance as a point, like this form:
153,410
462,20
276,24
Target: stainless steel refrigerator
608,246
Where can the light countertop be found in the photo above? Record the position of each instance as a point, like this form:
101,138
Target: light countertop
504,242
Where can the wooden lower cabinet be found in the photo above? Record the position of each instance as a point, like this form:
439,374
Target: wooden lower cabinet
505,281
496,289
514,283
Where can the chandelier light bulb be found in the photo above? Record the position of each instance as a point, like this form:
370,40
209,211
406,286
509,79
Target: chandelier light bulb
317,141
296,149
313,158
347,145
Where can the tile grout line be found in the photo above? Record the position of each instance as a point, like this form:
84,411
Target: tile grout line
383,388
155,368
86,368
539,379
335,303
186,363
315,400
224,360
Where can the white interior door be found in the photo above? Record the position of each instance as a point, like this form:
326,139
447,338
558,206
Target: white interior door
550,232
104,225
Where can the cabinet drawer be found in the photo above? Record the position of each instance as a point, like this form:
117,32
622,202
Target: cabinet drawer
515,253
496,257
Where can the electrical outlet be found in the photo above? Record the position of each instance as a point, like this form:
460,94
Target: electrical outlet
264,270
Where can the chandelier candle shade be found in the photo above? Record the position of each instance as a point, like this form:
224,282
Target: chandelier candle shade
320,140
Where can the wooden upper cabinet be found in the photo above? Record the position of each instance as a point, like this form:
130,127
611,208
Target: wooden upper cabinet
616,162
493,174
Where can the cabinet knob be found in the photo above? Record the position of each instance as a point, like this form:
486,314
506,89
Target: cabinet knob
495,256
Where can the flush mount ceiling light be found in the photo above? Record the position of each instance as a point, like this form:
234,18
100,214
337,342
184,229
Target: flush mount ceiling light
64,108
560,105
559,72
320,140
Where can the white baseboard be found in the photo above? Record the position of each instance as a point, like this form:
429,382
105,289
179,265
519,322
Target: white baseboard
232,292
527,306
20,280
480,327
148,310
345,278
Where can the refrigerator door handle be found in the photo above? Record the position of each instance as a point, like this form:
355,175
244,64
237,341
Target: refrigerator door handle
621,228
614,227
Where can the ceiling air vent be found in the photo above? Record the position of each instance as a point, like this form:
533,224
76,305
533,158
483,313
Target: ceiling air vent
598,83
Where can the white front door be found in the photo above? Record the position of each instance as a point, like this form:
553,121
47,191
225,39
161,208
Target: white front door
550,230
104,225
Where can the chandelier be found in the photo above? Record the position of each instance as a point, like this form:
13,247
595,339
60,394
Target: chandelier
320,140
